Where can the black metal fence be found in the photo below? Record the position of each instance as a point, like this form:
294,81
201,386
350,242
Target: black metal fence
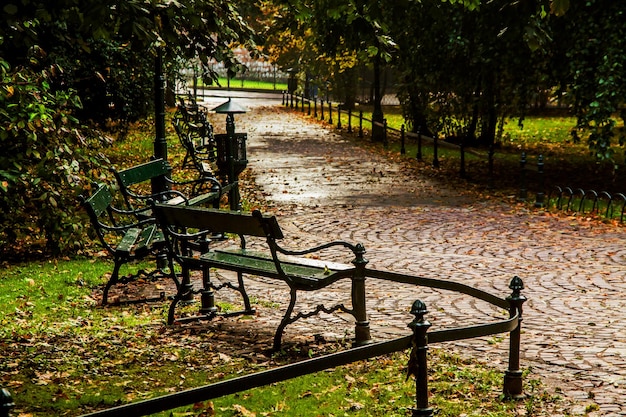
418,342
326,110
610,206
603,203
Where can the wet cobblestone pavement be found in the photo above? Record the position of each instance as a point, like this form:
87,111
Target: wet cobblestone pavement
322,187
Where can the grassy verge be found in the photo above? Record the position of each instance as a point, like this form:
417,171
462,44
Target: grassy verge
65,355
566,163
248,84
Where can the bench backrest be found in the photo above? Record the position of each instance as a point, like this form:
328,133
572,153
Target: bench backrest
141,173
98,203
218,221
98,207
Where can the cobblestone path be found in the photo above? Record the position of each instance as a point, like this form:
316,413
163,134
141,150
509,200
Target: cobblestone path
323,187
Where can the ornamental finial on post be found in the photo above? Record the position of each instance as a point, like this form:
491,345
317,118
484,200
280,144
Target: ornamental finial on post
418,360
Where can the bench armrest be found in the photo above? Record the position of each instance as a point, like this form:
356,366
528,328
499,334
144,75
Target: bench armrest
354,248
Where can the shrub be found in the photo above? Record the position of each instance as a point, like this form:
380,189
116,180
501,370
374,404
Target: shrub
44,156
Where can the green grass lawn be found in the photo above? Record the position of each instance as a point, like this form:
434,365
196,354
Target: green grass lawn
245,83
65,355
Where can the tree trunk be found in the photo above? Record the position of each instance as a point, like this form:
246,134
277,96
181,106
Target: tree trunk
488,134
416,112
378,131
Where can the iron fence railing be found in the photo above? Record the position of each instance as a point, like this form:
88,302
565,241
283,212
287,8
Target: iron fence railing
418,361
326,110
417,366
603,203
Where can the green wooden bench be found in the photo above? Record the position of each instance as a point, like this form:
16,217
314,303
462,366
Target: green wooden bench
195,134
183,226
133,182
124,237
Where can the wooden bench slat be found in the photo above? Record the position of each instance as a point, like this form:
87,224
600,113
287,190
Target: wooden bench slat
216,220
128,241
308,276
142,245
284,259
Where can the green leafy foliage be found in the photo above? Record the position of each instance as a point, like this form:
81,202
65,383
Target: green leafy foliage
69,66
590,60
43,159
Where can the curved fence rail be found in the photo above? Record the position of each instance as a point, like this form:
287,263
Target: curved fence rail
417,342
610,206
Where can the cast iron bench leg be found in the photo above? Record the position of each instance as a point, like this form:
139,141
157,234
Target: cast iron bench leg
286,319
113,280
242,289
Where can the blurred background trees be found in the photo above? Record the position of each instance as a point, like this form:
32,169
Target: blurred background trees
73,70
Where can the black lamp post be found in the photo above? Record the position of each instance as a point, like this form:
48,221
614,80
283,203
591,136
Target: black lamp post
231,151
160,184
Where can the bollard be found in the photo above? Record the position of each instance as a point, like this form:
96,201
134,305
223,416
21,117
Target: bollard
540,193
315,107
360,123
402,148
513,375
419,144
283,103
309,109
418,360
322,107
523,192
6,403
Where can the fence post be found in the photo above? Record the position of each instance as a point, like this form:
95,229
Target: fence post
513,376
309,108
385,132
491,153
418,156
315,107
540,192
330,113
284,93
523,191
402,148
418,360
338,116
360,123
462,172
349,120
435,152
6,403
362,326
291,100
322,107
